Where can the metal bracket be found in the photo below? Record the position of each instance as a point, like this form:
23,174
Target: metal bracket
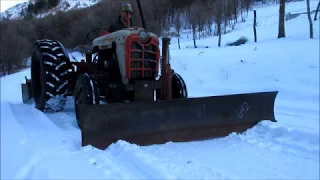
26,90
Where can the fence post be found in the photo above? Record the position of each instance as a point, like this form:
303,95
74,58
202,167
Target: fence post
254,25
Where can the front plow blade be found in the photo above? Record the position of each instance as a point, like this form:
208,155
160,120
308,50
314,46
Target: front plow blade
146,123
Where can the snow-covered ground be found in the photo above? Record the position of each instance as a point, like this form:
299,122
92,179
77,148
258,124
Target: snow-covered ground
35,145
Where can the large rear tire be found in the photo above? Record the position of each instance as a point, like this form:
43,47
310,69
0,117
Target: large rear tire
86,93
49,68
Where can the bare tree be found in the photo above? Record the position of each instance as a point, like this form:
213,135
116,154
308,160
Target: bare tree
255,25
193,11
218,16
317,10
281,31
309,18
177,23
233,8
228,15
201,19
15,46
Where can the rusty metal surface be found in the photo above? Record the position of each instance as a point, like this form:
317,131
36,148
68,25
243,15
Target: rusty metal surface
175,120
25,93
144,90
166,74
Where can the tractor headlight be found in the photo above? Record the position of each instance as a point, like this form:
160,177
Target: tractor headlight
144,36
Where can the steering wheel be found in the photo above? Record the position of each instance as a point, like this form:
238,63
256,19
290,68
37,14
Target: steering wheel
95,33
95,59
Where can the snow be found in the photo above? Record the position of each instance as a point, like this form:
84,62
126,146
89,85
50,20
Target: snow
67,5
64,5
5,5
36,145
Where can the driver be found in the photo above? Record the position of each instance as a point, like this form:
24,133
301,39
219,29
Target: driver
121,22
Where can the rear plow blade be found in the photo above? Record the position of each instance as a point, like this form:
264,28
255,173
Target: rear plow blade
146,123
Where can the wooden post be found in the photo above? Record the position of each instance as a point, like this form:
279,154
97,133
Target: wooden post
255,25
281,29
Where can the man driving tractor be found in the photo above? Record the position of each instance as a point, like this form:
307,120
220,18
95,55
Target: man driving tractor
124,20
121,23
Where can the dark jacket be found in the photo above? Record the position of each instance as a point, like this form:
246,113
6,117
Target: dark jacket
118,25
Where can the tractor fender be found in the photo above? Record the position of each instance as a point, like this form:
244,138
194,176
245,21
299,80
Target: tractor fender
64,50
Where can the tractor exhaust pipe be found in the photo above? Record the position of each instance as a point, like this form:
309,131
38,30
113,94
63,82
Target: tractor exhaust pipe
166,72
141,15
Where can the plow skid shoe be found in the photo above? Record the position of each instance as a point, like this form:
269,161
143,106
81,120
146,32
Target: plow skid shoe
26,91
146,123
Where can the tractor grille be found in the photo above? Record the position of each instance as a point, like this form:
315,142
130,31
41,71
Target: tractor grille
143,60
138,74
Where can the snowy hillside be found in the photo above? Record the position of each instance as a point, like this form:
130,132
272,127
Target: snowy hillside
35,145
64,5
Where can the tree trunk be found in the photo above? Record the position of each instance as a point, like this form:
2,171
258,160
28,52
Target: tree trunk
281,31
235,13
255,25
179,39
219,33
317,10
225,18
309,18
194,35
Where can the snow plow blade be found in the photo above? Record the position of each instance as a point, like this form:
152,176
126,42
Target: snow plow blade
146,123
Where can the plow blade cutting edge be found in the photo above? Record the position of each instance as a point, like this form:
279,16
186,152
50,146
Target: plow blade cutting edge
157,122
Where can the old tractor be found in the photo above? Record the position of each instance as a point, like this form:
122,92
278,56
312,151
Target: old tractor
126,89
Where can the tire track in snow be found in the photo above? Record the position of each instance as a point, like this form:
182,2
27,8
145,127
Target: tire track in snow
186,160
129,161
107,164
66,121
140,160
311,114
230,158
28,170
38,127
279,138
41,138
299,115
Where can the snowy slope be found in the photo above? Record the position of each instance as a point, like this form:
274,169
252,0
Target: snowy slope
64,5
35,145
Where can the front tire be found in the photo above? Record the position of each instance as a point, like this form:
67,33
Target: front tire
86,93
178,87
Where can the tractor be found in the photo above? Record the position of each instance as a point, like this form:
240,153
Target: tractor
126,89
